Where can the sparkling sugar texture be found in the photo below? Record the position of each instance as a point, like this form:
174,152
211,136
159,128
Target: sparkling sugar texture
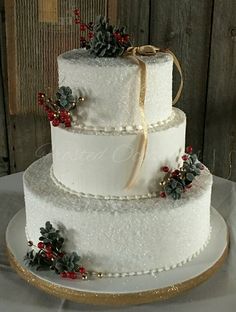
117,236
111,87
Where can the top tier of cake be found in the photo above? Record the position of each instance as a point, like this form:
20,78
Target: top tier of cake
111,87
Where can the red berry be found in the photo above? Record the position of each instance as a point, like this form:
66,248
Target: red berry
189,149
72,275
163,194
56,122
63,116
117,36
68,124
185,157
49,248
51,116
63,274
175,173
82,27
82,270
77,21
49,255
90,35
77,12
60,254
40,101
82,38
165,169
126,38
40,245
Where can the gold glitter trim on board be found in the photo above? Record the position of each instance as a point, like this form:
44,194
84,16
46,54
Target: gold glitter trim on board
116,299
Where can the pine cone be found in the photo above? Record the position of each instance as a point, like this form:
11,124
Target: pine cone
104,43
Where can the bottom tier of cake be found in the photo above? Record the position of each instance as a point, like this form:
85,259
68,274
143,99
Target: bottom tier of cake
121,237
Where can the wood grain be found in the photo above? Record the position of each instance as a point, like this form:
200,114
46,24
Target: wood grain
184,26
134,14
48,11
25,133
4,160
29,133
220,127
112,11
29,139
11,55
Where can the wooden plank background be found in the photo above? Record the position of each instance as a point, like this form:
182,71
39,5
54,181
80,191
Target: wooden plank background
203,36
4,159
220,125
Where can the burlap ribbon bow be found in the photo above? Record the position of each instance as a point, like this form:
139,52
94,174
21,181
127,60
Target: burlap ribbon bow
134,53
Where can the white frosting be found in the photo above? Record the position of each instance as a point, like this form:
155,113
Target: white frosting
102,164
121,237
115,230
111,87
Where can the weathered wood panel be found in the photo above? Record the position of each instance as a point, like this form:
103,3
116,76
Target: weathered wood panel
33,46
184,26
135,15
4,160
220,128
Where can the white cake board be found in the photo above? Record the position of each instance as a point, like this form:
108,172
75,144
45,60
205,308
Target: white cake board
123,290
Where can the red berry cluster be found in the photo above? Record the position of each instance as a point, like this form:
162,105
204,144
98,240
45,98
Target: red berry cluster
87,29
47,252
178,174
121,38
189,150
82,273
55,114
175,173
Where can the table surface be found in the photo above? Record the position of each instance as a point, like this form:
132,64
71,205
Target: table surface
217,294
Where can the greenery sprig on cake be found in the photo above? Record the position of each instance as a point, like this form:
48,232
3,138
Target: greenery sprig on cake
48,254
103,39
108,40
177,181
60,109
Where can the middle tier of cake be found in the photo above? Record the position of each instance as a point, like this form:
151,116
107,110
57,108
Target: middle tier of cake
100,164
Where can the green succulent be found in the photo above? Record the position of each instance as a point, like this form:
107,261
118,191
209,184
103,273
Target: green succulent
64,95
177,181
49,235
37,259
50,256
67,263
175,187
192,168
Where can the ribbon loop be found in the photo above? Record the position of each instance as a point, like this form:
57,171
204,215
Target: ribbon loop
134,53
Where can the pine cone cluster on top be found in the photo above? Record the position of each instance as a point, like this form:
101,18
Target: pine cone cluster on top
108,40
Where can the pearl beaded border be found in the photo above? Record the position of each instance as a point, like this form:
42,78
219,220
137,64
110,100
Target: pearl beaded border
123,130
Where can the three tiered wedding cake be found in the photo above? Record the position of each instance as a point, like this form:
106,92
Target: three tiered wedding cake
118,182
